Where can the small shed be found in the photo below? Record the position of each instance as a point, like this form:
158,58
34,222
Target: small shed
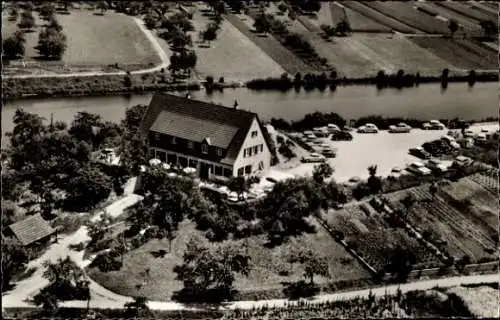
32,231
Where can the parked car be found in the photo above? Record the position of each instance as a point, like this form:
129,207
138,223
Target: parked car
342,136
313,157
419,152
307,133
436,165
400,128
333,128
321,132
433,125
418,168
311,137
451,142
368,128
462,161
437,147
396,172
480,139
469,133
329,153
271,179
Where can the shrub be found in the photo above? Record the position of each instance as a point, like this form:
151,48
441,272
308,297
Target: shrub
107,261
300,289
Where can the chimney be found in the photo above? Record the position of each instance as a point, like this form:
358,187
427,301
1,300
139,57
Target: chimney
235,104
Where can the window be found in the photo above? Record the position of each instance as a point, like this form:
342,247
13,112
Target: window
190,145
261,165
255,149
161,155
254,133
156,136
219,152
261,148
183,162
249,152
244,153
152,153
248,169
204,148
218,171
193,163
174,140
240,171
228,172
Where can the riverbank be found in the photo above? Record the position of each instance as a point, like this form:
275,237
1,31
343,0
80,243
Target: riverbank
21,88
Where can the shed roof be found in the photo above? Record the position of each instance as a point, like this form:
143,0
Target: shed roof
31,229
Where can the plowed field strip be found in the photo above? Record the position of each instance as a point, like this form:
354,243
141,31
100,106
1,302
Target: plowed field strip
467,11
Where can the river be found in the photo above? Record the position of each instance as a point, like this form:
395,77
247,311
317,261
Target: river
427,101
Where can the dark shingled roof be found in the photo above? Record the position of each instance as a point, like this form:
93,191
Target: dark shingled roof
31,229
196,120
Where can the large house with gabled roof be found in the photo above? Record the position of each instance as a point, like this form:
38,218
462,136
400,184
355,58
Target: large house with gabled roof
218,141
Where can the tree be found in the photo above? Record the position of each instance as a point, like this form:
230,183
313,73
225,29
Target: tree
452,26
55,25
27,20
343,28
87,188
374,182
137,308
47,10
102,5
489,28
322,172
208,274
210,34
13,46
312,263
262,24
150,20
238,184
14,260
51,43
433,189
85,127
408,202
401,263
328,30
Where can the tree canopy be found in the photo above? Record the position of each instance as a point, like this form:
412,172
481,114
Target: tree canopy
13,47
51,43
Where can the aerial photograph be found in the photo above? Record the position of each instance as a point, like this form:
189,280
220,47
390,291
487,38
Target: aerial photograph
249,159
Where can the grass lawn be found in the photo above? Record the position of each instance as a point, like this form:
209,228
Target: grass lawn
266,263
232,55
95,40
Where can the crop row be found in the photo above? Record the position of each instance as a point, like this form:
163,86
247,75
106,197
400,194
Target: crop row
454,218
394,24
405,13
457,52
357,21
489,183
467,11
469,26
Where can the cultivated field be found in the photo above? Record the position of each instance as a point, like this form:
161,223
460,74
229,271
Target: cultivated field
267,264
470,11
357,21
459,231
482,301
272,47
232,55
375,240
94,40
464,54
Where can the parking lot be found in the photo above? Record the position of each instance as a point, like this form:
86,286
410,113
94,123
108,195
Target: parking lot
384,149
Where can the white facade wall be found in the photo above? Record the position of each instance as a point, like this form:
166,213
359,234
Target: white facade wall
254,159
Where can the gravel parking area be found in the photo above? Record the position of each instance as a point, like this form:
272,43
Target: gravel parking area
384,149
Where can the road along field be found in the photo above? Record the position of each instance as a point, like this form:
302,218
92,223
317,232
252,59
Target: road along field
269,266
457,227
94,41
232,55
375,240
462,53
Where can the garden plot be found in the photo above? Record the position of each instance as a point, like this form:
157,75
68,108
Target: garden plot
456,232
95,40
232,55
374,15
373,239
272,47
144,274
405,13
456,53
357,21
403,53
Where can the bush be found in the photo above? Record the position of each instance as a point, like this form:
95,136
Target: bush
300,289
107,261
